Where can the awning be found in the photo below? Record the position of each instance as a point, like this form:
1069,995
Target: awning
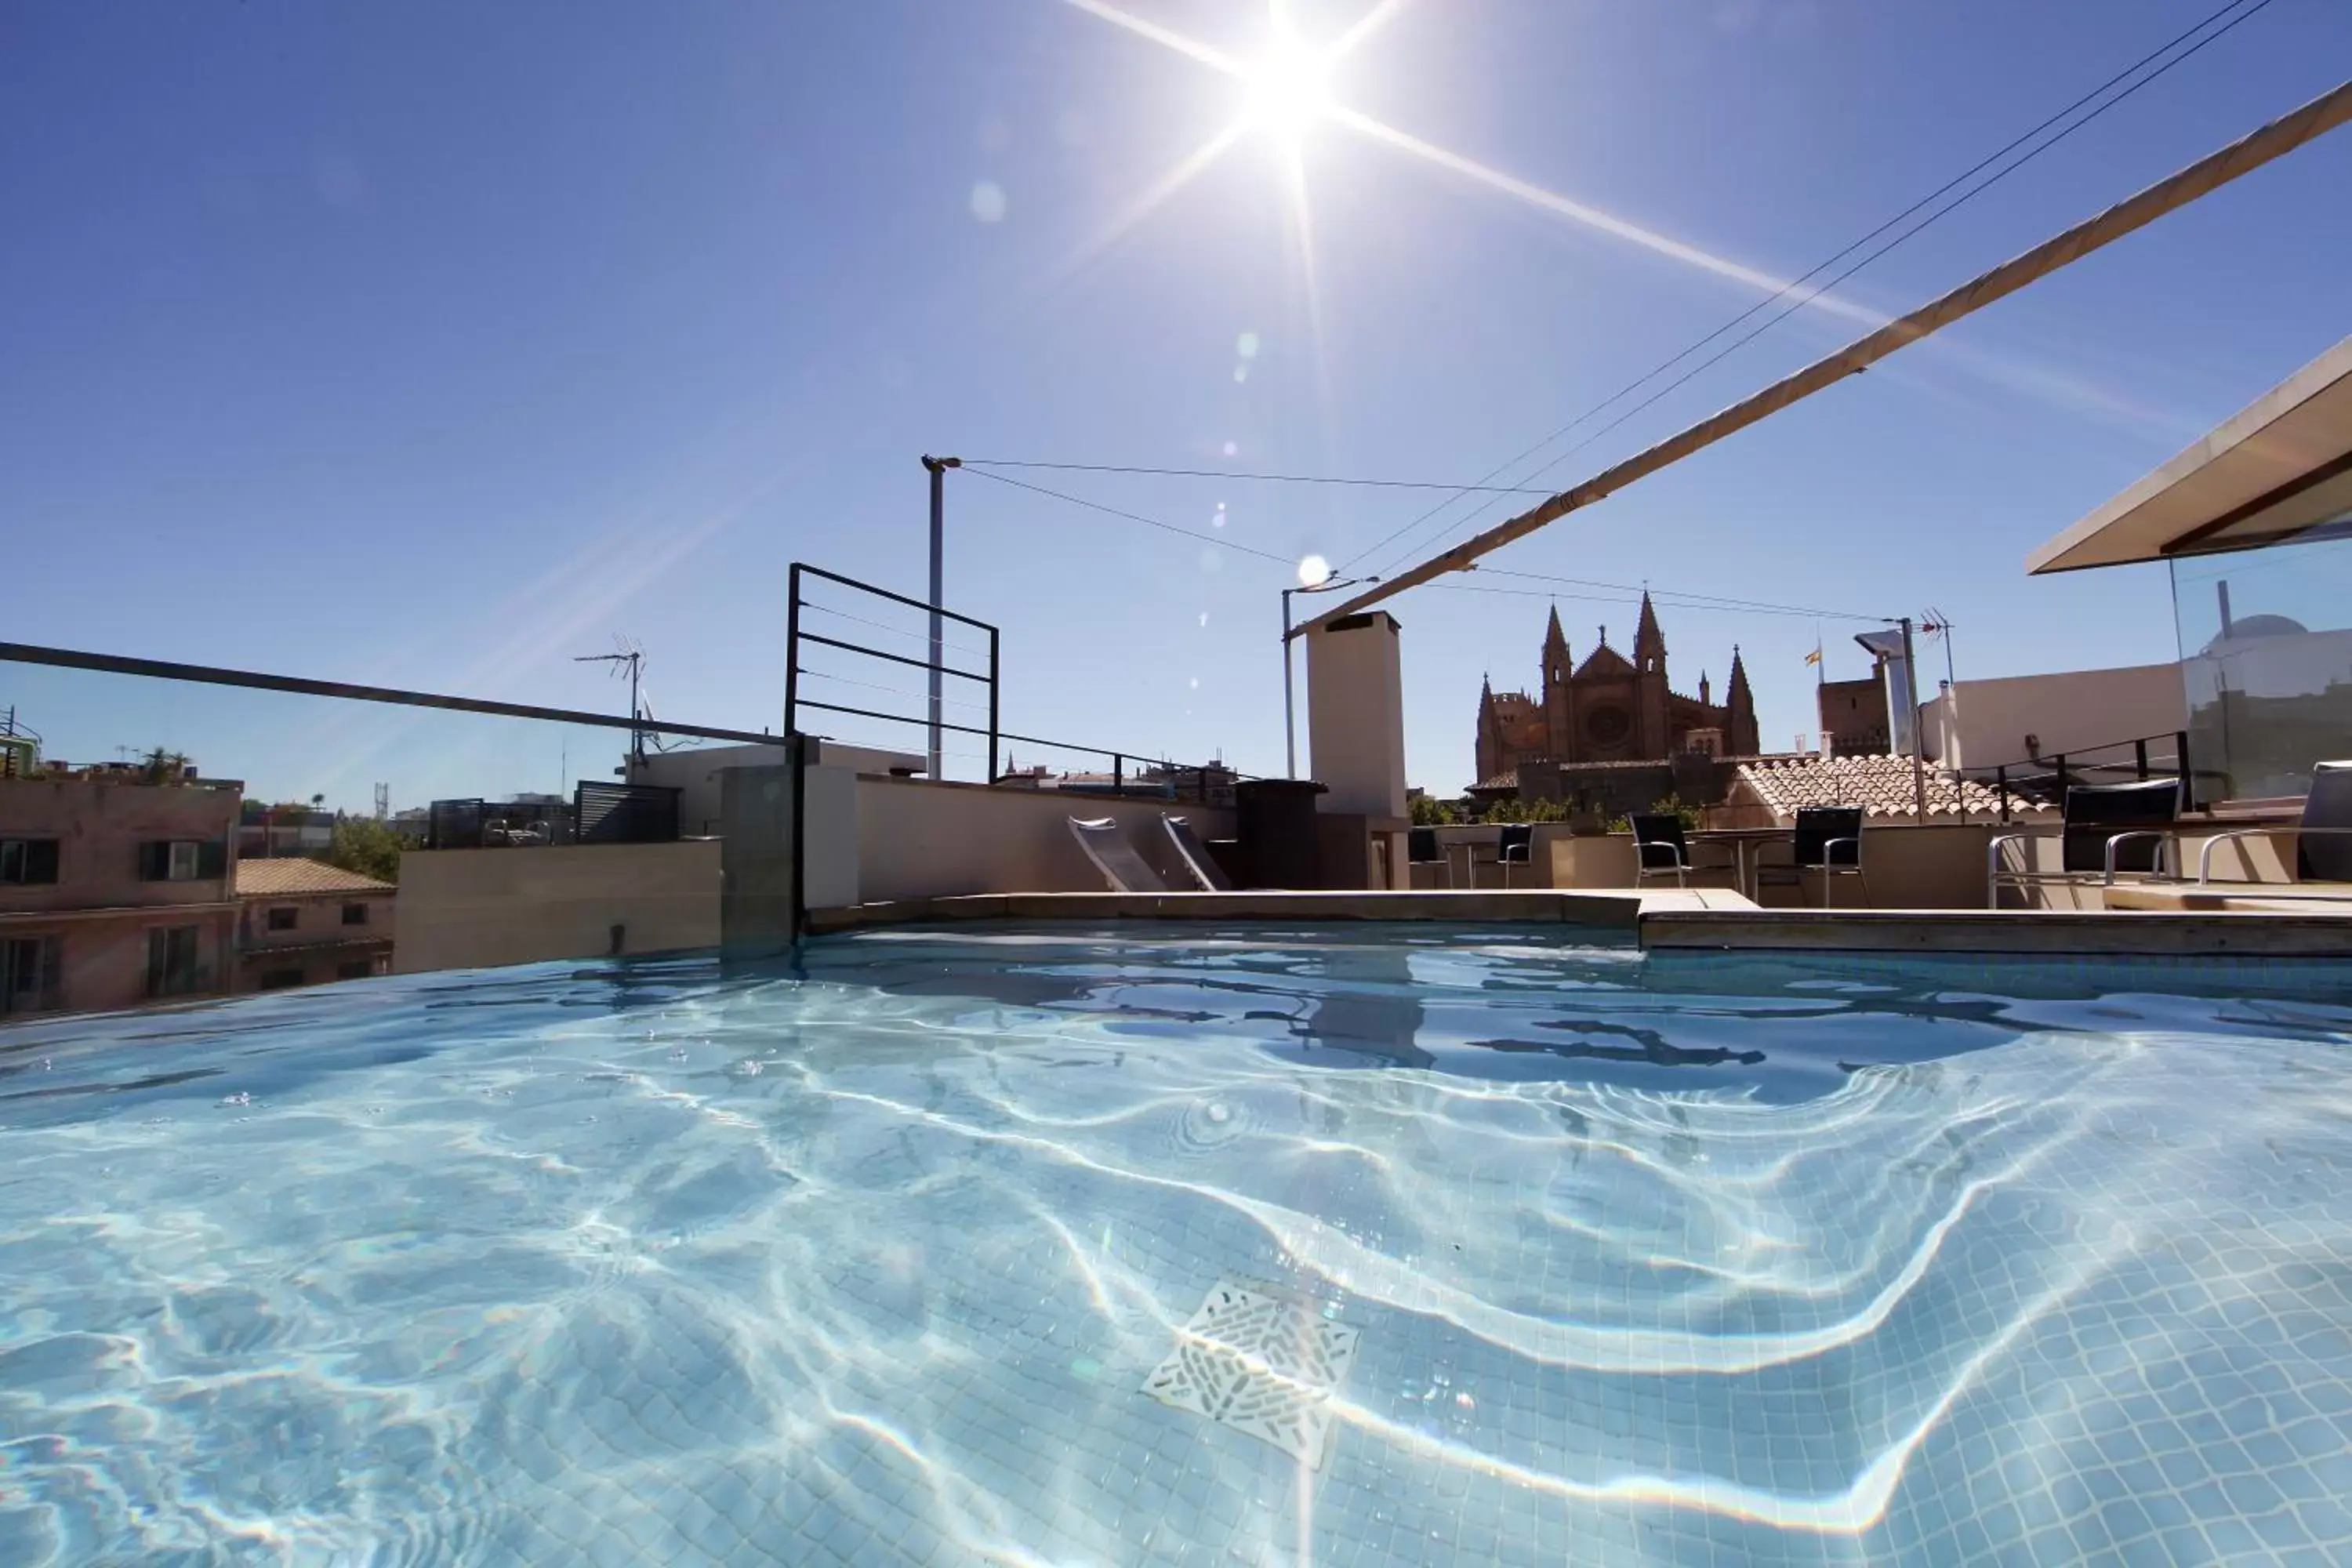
2278,469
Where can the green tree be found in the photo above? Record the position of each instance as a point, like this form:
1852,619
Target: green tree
1512,810
363,844
1429,811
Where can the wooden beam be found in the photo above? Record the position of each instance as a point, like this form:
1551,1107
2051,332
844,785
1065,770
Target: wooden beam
2243,156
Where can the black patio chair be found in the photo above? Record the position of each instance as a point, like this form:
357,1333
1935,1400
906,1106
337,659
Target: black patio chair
2322,838
1826,843
1421,848
1515,845
1662,850
2106,832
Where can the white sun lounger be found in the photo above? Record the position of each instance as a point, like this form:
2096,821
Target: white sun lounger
1195,856
1114,857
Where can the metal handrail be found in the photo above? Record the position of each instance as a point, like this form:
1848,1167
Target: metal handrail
794,636
2054,766
795,702
213,675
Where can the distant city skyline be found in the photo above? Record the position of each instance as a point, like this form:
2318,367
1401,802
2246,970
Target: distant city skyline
437,346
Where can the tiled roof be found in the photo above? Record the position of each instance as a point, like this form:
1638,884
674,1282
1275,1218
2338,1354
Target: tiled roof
1881,786
287,877
1507,780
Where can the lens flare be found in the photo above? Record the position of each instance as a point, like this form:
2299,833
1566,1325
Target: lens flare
1289,87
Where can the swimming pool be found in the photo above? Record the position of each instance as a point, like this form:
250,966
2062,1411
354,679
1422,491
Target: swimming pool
1034,1246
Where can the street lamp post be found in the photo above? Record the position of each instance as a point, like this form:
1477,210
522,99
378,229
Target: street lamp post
938,467
1289,724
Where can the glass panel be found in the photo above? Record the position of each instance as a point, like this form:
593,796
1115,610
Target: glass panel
237,808
2267,655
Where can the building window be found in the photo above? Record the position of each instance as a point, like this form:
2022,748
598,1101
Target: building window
171,961
28,860
355,914
30,974
183,859
355,969
281,979
284,917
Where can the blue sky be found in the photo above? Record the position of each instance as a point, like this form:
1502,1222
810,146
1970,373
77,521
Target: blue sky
436,344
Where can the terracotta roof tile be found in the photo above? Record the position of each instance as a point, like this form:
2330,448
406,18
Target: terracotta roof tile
287,877
1881,786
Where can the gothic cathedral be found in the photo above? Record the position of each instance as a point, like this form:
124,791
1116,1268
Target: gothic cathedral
1612,708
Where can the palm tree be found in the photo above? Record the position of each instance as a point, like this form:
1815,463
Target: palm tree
161,766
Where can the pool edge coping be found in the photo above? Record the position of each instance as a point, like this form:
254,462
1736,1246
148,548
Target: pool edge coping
1668,921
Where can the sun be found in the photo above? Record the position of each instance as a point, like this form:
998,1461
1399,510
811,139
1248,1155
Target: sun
1289,86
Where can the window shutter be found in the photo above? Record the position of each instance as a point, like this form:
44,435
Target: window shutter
53,970
154,860
212,857
41,860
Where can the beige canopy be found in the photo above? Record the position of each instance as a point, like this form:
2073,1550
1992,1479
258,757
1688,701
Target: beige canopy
2282,466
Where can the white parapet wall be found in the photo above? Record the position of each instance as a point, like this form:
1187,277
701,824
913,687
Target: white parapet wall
866,837
1982,724
917,840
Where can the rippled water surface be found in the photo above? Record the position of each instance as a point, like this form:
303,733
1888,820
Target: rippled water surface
1688,1258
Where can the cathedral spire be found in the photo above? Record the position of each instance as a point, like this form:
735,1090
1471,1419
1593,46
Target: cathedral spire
1649,642
1555,638
1703,700
1740,705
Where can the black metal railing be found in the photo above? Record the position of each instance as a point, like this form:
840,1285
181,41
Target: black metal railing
1153,777
2041,778
796,637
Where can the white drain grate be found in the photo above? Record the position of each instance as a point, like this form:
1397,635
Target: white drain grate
1261,1364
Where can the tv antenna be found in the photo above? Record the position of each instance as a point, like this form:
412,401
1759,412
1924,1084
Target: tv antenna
627,652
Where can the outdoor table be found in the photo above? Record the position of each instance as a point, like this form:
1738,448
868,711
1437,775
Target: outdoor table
1745,843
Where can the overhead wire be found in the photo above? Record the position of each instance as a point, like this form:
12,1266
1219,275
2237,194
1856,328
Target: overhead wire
2251,8
1131,516
1685,599
1629,603
1672,597
1243,475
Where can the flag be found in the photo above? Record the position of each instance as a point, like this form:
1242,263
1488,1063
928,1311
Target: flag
1815,657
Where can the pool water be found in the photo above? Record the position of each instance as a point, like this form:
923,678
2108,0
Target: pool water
1051,1246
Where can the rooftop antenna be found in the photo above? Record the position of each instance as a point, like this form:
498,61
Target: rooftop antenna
1939,625
627,652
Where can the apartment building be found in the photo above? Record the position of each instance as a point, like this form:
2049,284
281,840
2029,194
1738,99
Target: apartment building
116,889
304,922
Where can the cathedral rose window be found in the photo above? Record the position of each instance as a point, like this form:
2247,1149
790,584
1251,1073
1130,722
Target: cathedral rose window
1607,726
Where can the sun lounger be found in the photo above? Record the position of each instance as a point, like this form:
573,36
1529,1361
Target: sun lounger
1195,856
1114,857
